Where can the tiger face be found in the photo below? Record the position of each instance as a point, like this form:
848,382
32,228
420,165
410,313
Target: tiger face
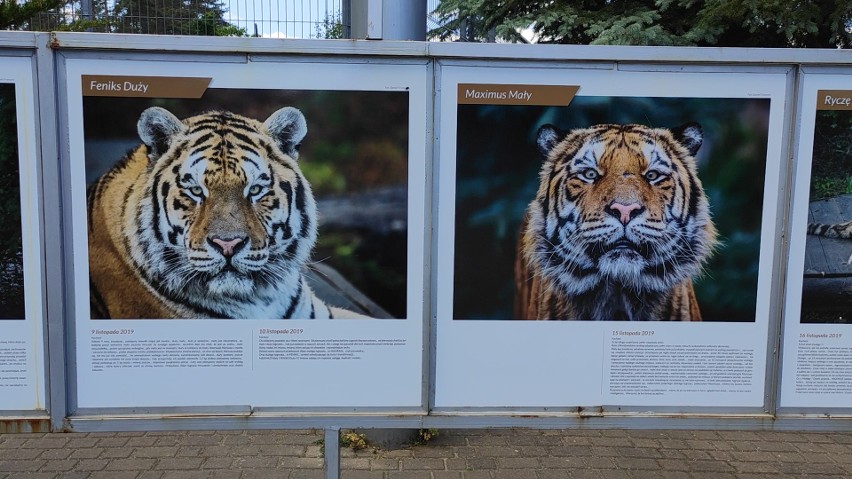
229,210
619,212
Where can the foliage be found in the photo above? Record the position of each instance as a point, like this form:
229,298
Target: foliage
15,15
831,173
497,176
424,436
189,17
745,23
11,257
353,441
331,27
177,17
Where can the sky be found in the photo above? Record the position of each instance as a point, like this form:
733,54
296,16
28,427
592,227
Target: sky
282,18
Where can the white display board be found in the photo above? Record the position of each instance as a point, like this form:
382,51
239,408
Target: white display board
363,158
817,341
493,122
22,368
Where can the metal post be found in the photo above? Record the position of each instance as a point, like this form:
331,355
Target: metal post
331,457
404,20
346,18
86,9
388,19
52,197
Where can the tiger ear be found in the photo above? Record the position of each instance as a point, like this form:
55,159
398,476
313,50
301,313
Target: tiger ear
288,127
689,135
156,128
547,138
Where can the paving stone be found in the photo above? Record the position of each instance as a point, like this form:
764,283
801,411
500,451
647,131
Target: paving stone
187,474
130,464
114,475
19,454
361,474
515,474
113,442
360,463
710,466
116,452
382,464
635,463
53,453
281,449
91,464
79,442
34,475
156,451
85,452
552,474
478,454
476,475
814,469
300,462
71,475
201,441
217,462
476,463
645,452
54,442
307,474
517,463
186,463
142,441
57,465
21,466
446,475
757,467
189,451
490,451
398,453
418,463
487,440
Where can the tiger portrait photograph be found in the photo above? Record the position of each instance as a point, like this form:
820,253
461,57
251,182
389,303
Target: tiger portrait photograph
827,273
610,208
247,204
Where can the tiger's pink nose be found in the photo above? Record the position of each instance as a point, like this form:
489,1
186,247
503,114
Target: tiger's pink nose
625,213
227,246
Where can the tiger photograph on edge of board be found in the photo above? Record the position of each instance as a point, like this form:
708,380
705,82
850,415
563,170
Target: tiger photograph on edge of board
218,210
612,208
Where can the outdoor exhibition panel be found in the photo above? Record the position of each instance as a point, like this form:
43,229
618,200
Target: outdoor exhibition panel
206,182
22,364
817,347
609,193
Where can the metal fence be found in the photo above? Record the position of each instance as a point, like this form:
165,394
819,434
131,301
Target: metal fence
260,18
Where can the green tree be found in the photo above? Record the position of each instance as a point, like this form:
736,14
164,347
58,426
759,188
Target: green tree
331,27
186,17
746,23
15,15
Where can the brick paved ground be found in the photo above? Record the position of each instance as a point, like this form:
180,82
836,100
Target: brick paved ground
459,454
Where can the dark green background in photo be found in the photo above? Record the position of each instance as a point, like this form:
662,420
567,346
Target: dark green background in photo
11,253
355,155
497,166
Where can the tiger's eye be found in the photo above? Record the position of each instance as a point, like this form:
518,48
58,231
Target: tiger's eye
590,174
652,175
254,190
196,190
